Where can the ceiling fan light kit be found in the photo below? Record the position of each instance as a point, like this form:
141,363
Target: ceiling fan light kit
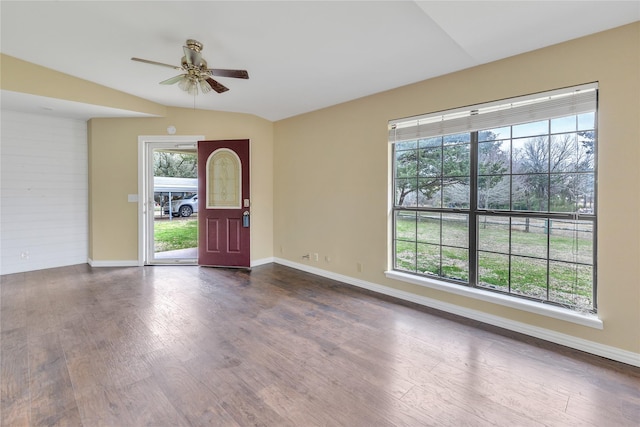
196,76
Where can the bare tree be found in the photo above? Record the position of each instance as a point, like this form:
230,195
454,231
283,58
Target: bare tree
493,184
556,171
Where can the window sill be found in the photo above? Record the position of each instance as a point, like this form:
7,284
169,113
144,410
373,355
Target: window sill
583,319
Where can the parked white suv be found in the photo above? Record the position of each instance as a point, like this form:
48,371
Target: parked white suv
183,207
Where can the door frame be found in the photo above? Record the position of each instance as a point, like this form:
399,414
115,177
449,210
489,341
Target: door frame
145,197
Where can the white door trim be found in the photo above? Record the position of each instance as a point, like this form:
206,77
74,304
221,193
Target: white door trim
144,141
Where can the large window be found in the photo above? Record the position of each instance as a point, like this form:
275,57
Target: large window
501,196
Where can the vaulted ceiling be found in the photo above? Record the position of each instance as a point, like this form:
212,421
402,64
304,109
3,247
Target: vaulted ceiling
301,55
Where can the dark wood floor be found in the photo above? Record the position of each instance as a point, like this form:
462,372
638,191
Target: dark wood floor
173,346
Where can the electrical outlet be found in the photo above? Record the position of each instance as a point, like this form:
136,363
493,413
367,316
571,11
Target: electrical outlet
24,255
327,258
359,267
316,257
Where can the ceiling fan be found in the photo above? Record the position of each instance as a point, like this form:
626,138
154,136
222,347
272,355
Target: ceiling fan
196,74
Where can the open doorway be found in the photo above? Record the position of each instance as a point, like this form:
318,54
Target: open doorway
170,201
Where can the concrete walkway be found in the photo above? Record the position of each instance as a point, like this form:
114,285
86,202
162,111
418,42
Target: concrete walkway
189,253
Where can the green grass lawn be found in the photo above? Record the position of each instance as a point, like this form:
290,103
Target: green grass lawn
504,254
175,234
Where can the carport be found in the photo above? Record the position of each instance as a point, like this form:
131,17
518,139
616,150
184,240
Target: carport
166,189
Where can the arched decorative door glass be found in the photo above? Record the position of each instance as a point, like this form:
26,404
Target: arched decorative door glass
224,180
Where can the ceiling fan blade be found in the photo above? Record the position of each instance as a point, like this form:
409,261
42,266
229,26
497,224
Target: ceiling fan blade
173,80
216,86
192,57
238,74
146,61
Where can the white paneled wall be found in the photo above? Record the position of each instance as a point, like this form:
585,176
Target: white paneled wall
43,192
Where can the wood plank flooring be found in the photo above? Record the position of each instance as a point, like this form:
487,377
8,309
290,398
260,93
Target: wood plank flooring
190,346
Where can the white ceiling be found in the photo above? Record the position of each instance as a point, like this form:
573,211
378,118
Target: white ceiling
301,55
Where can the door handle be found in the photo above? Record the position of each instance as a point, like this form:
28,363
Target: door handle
245,219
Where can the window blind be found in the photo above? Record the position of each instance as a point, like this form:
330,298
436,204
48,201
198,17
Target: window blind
523,109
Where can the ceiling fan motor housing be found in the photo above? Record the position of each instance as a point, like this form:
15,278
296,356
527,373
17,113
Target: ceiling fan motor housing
194,68
194,44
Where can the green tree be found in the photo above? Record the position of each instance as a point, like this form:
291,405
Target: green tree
180,165
423,172
433,166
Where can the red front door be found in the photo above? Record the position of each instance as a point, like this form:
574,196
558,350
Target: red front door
223,198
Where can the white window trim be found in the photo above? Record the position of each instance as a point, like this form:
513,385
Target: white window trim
573,100
548,310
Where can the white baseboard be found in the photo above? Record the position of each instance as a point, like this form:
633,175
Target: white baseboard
598,349
262,261
113,263
136,263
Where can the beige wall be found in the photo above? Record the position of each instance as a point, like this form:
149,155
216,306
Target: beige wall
113,155
331,173
113,174
21,76
320,180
